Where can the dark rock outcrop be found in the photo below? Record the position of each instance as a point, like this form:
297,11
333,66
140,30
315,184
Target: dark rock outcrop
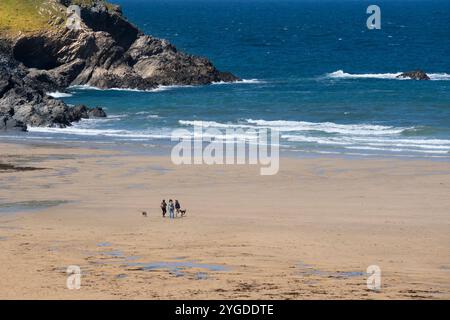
415,75
83,112
24,102
9,123
96,112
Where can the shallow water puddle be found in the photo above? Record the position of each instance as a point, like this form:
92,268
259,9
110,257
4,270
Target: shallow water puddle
201,276
104,244
308,270
66,171
179,268
114,254
160,169
196,271
14,207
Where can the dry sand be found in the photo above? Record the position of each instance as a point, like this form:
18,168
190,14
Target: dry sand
309,232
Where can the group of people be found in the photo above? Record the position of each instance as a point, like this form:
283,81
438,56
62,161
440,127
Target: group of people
174,209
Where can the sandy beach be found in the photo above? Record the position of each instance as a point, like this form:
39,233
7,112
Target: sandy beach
309,232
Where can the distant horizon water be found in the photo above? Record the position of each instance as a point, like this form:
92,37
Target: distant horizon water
311,70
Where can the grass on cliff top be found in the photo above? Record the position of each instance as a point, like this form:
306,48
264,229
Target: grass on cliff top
26,15
29,16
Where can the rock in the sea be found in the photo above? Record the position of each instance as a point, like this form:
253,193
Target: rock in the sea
82,112
23,102
415,75
11,124
96,112
78,112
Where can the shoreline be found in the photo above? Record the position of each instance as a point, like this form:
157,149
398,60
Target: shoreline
162,147
309,232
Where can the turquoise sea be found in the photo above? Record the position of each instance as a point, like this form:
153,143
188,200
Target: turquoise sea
311,70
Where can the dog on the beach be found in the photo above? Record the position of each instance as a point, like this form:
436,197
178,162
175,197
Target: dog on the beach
144,214
183,212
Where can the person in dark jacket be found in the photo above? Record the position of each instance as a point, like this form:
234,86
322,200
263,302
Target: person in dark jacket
164,208
177,207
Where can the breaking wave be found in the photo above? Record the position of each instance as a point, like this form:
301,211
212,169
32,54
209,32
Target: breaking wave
340,74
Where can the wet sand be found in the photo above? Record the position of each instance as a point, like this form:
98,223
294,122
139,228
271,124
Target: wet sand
309,232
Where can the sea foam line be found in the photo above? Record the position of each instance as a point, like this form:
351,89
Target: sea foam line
133,135
58,94
289,126
340,74
157,89
99,132
162,87
389,143
243,81
431,144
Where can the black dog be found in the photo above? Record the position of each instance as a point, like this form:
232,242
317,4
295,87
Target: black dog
144,214
183,212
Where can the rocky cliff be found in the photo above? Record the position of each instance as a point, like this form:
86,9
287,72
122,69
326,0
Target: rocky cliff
104,50
23,100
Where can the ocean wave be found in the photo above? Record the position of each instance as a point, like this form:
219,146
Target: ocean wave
92,122
157,89
340,74
140,135
344,136
162,87
58,94
329,127
439,76
397,150
287,126
211,124
81,131
243,81
324,136
370,142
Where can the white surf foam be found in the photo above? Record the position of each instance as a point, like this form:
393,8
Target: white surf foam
344,136
157,89
211,124
136,135
397,149
439,76
80,131
287,126
161,87
325,136
243,81
328,127
340,74
58,94
371,143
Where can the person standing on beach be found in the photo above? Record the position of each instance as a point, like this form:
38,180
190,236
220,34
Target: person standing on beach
164,208
171,208
177,207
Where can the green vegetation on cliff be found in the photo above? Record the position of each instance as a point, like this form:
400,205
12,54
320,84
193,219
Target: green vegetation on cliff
28,16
